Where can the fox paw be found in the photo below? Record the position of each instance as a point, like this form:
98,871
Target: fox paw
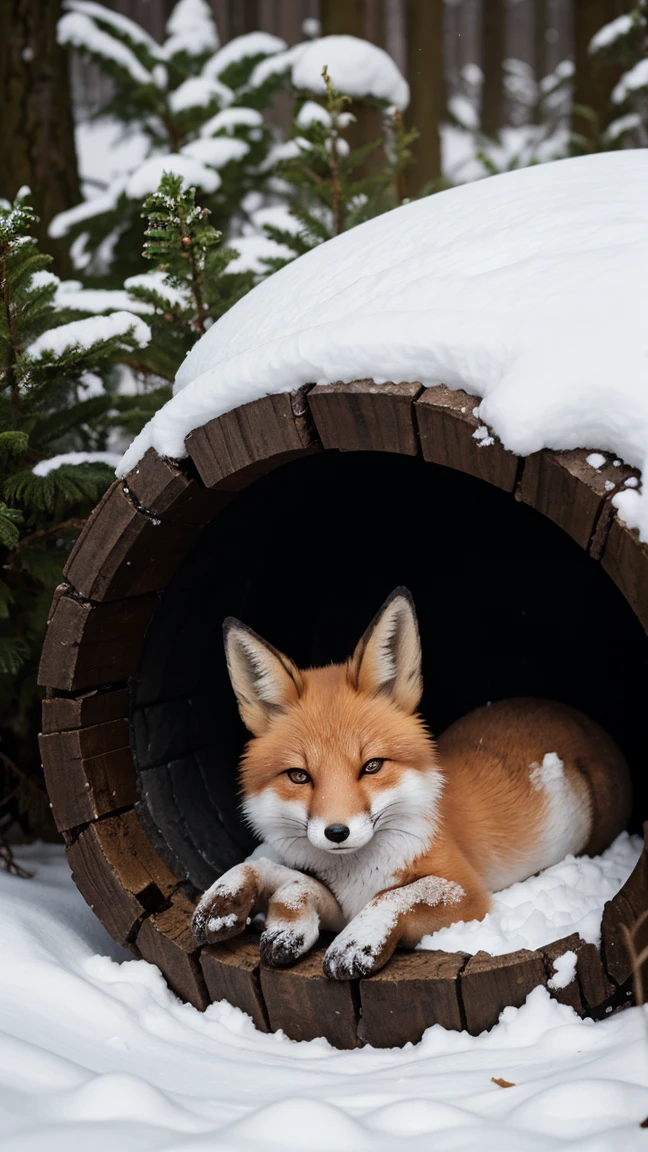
348,958
225,908
282,946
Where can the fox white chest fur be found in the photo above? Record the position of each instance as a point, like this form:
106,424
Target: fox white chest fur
371,829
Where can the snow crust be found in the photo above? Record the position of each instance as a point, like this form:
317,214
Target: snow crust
44,467
565,898
355,66
526,289
97,1053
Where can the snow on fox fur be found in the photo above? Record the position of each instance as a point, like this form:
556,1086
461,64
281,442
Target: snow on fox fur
372,830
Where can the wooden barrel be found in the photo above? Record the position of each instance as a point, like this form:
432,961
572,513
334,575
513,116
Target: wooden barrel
128,829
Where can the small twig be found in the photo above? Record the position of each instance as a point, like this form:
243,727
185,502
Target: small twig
26,541
8,863
637,958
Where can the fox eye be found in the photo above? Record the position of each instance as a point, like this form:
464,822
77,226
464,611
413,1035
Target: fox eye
298,776
371,767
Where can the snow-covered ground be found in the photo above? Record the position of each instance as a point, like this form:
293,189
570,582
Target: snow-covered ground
96,1053
526,289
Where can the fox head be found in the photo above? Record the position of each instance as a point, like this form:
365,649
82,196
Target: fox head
339,754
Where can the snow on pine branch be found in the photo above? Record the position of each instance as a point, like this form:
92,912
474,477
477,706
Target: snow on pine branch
356,67
83,334
76,30
633,81
230,118
120,24
244,48
190,29
607,35
44,467
199,92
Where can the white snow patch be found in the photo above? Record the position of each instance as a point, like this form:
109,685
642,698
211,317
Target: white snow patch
230,118
76,30
84,333
595,460
95,1051
106,201
632,81
622,124
631,482
564,970
191,29
116,20
146,179
157,282
615,30
199,92
310,113
44,467
72,294
355,66
216,151
242,48
568,897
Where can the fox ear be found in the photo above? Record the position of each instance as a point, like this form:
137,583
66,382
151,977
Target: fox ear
264,680
388,658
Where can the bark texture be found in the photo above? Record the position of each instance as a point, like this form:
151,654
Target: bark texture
425,75
36,129
493,53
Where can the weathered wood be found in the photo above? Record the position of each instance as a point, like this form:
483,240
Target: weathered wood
366,417
231,973
625,559
569,491
159,487
122,552
60,713
305,1004
87,645
166,939
447,427
89,772
490,983
595,987
625,909
414,991
235,448
119,874
571,993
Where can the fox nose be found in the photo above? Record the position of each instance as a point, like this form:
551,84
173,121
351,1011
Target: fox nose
336,832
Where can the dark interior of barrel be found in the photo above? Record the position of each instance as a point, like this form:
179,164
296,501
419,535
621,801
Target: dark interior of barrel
508,605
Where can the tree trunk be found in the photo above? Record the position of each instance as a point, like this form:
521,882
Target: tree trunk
343,17
593,82
493,52
425,75
37,140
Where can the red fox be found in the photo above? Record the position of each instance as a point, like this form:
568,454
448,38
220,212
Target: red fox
372,830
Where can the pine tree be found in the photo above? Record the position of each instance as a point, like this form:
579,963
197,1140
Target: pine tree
327,198
190,286
191,105
624,43
57,381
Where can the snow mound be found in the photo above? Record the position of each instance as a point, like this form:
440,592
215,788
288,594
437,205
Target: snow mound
44,467
355,66
566,898
96,1052
526,289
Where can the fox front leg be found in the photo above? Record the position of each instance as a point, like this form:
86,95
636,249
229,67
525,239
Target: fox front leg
399,916
295,905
